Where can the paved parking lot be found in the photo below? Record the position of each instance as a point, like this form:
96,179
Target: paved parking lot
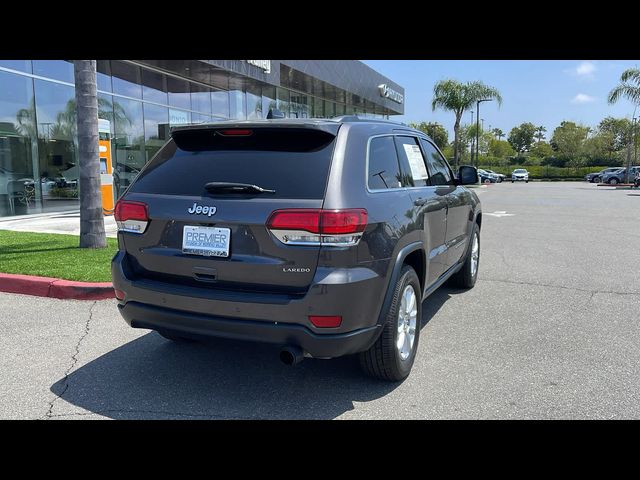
551,330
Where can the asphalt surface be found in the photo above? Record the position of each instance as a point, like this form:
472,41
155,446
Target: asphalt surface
551,330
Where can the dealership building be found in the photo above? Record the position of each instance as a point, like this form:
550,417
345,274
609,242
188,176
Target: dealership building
142,99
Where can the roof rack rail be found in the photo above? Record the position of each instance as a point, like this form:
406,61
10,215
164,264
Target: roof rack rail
355,118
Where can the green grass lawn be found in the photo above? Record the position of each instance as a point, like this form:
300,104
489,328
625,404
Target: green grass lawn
54,255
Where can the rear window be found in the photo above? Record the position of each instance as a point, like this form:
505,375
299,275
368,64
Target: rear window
293,162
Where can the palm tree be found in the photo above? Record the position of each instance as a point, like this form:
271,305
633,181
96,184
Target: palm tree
497,133
629,88
540,131
92,234
458,97
626,88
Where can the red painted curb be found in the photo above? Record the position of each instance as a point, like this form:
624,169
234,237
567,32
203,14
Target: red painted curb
55,287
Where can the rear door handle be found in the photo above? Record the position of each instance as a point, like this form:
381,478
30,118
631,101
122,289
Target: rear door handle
420,202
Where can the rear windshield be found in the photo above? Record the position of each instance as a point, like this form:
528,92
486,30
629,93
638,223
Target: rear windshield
293,162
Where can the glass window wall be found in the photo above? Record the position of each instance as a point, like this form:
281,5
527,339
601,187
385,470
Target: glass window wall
154,87
20,65
128,141
56,69
254,103
200,98
19,186
126,79
237,103
179,95
220,103
57,148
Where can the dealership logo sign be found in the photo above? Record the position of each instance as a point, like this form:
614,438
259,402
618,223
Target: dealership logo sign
391,94
263,64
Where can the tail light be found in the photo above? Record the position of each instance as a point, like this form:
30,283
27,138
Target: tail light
299,226
131,216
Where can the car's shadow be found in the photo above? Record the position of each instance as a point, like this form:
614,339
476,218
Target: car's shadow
153,378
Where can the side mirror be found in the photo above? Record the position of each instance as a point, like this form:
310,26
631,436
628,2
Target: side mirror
467,175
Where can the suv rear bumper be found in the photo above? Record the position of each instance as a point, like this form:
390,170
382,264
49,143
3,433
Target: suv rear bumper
278,319
139,315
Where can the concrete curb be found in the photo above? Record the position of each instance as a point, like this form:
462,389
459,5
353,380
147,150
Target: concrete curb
55,287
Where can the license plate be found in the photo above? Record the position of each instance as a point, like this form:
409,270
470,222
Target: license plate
206,241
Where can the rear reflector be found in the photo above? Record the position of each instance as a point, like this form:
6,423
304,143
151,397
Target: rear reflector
131,216
322,321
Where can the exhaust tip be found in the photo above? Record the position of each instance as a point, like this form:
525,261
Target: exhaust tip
291,355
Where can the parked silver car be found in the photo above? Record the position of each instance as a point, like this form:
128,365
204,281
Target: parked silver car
499,176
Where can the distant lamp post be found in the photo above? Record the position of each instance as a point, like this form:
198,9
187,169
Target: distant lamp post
478,125
635,144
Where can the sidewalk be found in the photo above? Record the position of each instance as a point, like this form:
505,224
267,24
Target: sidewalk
55,222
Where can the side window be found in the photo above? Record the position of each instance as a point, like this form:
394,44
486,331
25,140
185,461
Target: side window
384,171
414,170
438,166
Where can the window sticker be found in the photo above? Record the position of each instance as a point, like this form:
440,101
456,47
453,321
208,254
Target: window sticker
416,163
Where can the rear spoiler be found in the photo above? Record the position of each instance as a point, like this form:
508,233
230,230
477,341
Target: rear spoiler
284,137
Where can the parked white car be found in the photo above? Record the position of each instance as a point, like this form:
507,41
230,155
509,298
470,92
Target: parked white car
520,175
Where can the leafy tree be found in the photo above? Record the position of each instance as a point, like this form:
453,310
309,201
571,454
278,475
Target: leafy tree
497,133
615,134
568,141
540,131
458,97
500,149
435,131
92,234
541,150
521,137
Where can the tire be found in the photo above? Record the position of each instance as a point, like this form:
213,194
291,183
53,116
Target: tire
466,277
512,181
596,180
613,181
174,337
526,181
384,360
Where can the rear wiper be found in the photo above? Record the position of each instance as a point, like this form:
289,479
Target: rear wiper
232,187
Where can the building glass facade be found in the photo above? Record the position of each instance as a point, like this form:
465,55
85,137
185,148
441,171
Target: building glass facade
142,100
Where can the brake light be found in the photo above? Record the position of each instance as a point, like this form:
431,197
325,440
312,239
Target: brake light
299,226
131,216
238,132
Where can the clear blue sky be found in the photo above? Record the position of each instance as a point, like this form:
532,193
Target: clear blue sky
544,92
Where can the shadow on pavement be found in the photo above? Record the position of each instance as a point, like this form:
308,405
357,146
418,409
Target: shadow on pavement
153,378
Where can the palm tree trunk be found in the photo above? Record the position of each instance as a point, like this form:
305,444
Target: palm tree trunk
92,234
456,146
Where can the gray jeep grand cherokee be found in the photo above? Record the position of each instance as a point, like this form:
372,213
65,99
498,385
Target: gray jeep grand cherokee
321,236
